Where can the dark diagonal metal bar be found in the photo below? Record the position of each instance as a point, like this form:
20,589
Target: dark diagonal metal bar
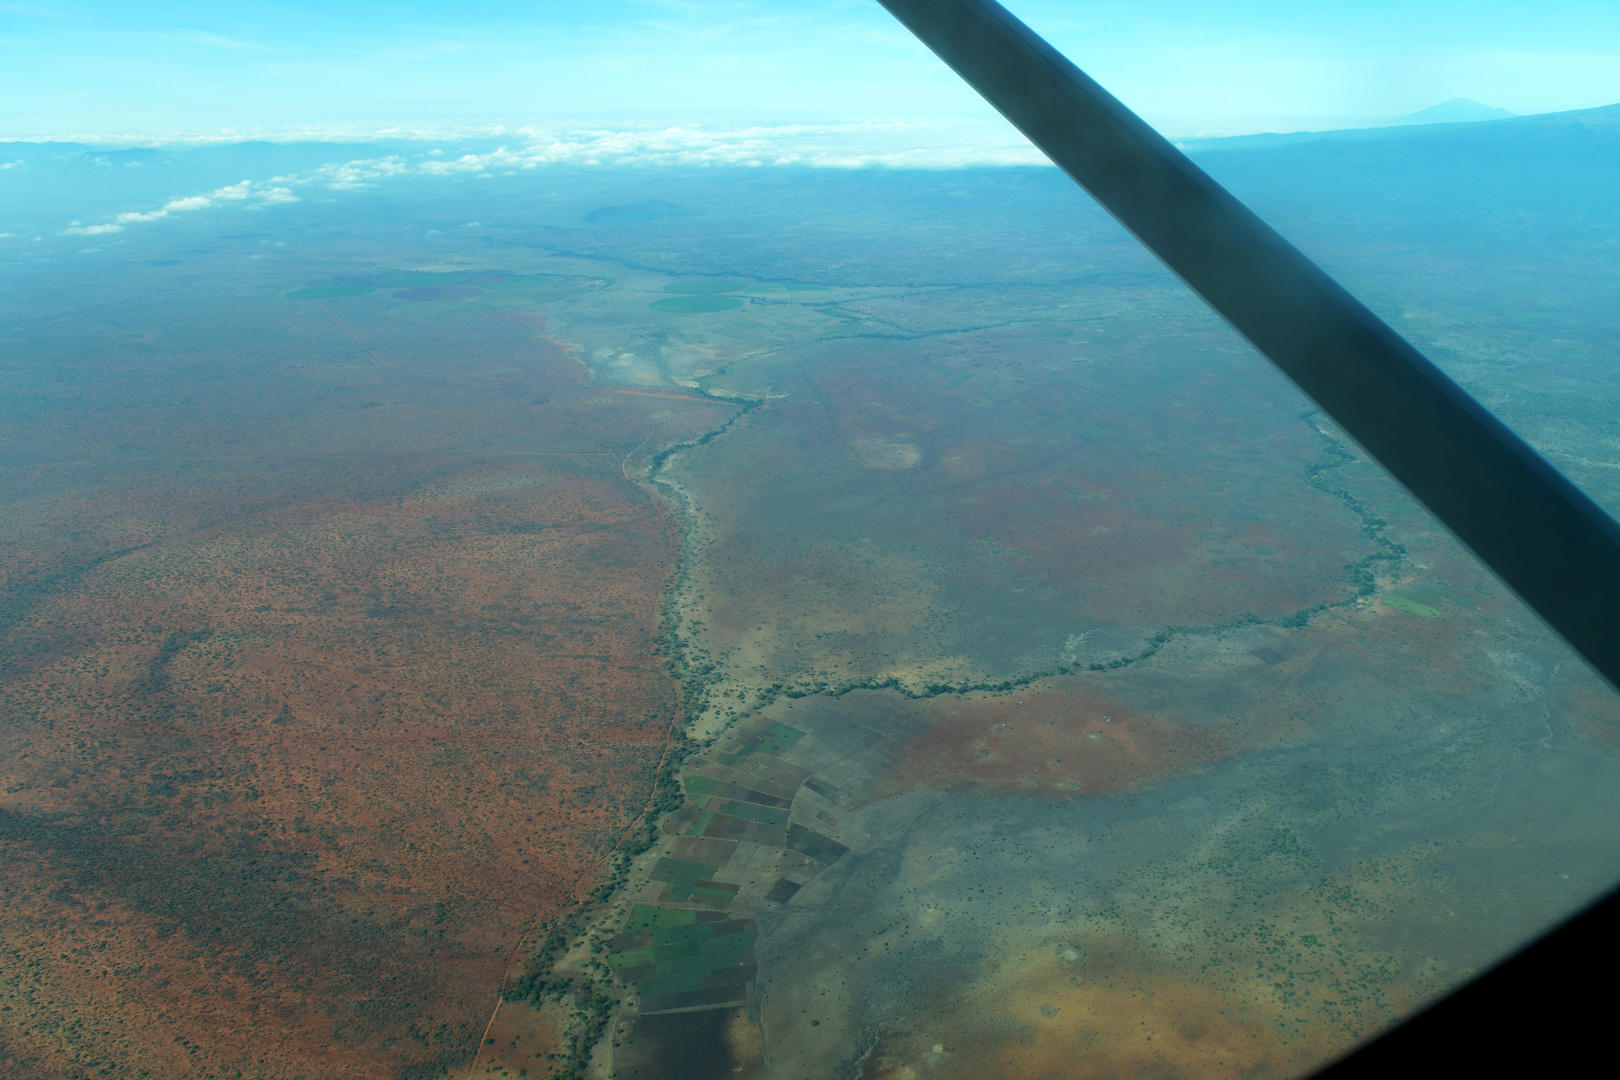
1525,520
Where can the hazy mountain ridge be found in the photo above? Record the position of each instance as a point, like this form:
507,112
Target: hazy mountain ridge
1603,117
1562,160
1456,111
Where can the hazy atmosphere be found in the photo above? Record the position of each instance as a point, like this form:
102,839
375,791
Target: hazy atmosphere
146,71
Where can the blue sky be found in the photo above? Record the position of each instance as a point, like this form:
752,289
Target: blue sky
149,71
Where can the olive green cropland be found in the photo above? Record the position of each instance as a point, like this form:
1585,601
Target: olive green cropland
696,305
330,292
705,287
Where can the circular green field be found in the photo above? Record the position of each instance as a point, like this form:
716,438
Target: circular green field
402,281
515,283
787,288
433,293
705,287
522,298
330,292
695,305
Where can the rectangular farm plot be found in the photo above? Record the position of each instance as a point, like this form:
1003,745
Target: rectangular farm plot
762,815
755,778
770,775
809,842
688,1046
692,881
782,891
825,790
682,959
770,739
700,786
687,880
648,917
719,893
703,850
718,826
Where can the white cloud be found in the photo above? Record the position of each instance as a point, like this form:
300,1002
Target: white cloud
922,143
194,202
901,144
895,144
242,192
904,144
356,174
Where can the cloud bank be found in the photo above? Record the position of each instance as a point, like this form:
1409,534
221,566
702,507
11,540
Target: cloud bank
925,144
251,195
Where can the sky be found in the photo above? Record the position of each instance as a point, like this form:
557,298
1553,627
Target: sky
151,72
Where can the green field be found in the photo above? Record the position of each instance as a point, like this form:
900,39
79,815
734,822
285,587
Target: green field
701,785
1401,603
330,292
533,296
647,917
519,298
1432,595
695,305
772,739
705,286
405,281
759,815
535,282
681,959
432,294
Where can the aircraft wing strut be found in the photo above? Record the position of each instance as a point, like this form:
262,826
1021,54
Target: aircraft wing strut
1538,532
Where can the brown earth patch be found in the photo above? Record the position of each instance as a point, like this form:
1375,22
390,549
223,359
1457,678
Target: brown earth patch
699,1045
1063,740
1121,1005
1125,479
518,1041
1055,1025
1590,705
323,682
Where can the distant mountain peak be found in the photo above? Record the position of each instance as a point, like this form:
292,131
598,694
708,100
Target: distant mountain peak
1456,111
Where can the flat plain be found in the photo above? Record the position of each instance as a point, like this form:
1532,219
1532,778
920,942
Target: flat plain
776,623
327,674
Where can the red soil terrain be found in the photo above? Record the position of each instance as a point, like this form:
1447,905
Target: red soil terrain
1087,735
1063,740
1030,482
1167,476
1035,1019
322,683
